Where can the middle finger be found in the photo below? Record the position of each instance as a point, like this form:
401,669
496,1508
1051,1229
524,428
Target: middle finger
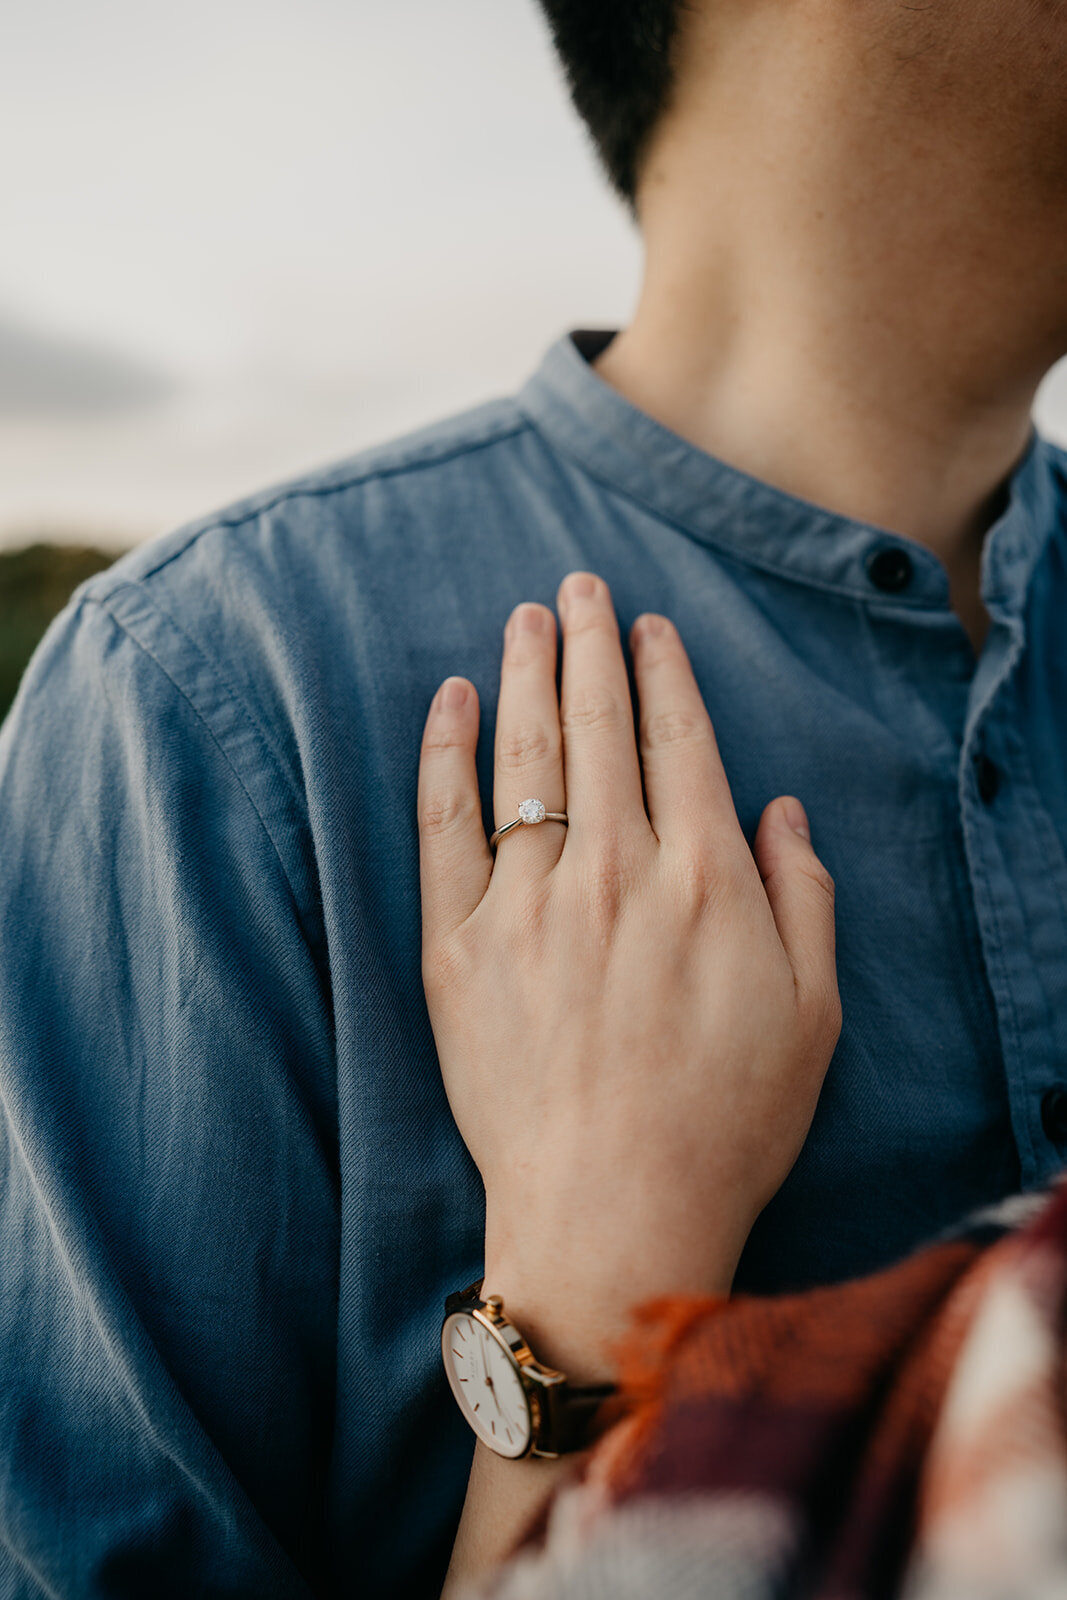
603,773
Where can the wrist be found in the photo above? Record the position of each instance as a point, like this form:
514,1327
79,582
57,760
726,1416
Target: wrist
573,1315
612,1242
562,1330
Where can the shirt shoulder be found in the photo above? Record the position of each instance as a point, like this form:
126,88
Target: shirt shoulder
320,497
260,614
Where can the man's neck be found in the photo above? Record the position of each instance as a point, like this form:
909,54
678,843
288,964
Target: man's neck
854,318
796,423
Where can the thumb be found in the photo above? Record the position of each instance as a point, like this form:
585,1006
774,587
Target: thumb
801,895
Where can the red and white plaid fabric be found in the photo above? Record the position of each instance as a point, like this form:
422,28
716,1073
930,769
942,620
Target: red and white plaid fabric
901,1435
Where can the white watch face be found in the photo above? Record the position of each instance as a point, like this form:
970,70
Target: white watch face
486,1383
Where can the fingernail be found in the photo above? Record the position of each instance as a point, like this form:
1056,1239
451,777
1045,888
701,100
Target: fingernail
796,817
648,625
579,586
454,692
528,618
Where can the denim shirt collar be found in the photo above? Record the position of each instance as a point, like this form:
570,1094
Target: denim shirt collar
759,524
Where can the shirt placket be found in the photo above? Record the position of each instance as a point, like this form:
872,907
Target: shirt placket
1015,863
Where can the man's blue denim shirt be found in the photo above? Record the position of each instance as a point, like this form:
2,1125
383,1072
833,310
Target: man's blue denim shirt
233,1198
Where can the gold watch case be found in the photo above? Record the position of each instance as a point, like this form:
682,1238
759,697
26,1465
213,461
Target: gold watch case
543,1387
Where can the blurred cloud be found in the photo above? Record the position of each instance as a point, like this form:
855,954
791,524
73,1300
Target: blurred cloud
45,375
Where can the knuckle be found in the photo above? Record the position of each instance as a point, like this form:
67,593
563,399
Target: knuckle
736,878
529,917
711,879
590,619
822,879
697,881
604,883
529,744
440,738
670,727
447,810
592,710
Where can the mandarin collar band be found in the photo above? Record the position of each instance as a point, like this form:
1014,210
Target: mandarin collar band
751,520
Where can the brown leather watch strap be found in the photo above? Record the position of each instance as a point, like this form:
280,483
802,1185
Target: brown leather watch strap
575,1423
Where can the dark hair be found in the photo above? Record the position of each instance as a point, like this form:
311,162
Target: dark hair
617,57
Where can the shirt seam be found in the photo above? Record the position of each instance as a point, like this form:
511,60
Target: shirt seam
142,593
310,939
321,491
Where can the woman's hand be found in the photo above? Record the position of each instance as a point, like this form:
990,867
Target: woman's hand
633,1017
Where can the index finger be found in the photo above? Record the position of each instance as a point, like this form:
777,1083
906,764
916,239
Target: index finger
602,773
454,857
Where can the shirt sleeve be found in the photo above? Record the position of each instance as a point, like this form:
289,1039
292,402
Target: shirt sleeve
168,1174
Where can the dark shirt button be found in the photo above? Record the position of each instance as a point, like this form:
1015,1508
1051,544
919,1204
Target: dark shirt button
987,774
1054,1113
890,568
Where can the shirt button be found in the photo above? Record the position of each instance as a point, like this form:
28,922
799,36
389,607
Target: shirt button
890,568
987,776
1054,1113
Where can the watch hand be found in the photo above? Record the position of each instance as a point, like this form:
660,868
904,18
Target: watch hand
489,1382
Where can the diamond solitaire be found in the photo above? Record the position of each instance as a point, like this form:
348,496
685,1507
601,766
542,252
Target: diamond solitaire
531,810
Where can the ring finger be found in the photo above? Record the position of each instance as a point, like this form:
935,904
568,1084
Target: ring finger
528,761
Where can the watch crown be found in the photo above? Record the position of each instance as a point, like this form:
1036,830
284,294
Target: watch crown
494,1302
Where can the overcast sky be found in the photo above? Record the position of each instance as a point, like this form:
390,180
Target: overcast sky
275,230
243,237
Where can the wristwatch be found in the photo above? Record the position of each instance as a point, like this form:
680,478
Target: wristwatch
516,1406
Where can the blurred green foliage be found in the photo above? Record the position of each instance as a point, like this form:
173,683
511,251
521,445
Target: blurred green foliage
35,583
